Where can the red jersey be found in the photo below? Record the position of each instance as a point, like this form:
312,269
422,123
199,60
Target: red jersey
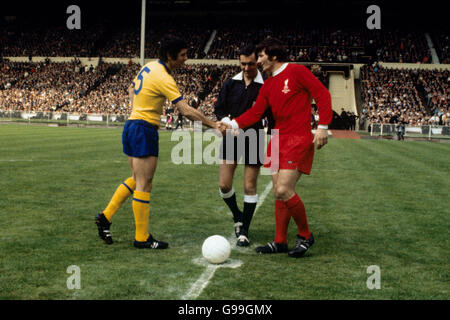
289,93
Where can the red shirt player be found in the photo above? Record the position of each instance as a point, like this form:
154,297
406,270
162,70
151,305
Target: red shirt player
288,92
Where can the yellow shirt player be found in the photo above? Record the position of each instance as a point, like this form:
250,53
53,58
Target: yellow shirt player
151,87
148,92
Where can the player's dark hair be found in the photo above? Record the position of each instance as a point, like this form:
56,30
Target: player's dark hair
273,48
248,50
171,46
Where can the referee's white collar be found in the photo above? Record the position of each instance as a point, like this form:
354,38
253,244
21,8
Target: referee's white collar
258,79
280,69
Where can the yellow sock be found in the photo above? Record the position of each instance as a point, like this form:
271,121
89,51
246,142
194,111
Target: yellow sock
141,210
122,193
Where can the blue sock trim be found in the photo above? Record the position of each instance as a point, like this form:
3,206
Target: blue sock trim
138,200
131,191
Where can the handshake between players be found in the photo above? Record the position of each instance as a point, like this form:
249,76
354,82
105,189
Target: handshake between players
320,136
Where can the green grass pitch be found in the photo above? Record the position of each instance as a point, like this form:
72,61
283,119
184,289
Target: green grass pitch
369,202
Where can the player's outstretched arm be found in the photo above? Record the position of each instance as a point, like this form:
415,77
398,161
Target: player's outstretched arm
193,114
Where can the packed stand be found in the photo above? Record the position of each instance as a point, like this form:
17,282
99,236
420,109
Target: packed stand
326,44
110,97
25,41
404,95
101,40
71,87
45,86
125,42
305,44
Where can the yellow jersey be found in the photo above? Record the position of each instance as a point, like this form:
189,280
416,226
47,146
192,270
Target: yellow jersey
152,86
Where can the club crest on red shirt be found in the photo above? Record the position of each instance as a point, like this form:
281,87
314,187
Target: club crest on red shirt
286,87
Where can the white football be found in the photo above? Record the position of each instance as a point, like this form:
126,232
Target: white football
216,249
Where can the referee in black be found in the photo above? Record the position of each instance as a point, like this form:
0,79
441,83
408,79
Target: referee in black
237,95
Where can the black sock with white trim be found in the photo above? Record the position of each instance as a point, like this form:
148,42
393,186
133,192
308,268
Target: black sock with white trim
249,209
230,200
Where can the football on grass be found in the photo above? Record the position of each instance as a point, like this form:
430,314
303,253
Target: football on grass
216,249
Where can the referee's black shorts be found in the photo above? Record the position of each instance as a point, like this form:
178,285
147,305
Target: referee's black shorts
246,148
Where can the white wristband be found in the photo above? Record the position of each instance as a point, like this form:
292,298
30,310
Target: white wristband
226,120
234,124
322,126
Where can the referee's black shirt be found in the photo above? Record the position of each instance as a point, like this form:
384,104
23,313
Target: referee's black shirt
235,98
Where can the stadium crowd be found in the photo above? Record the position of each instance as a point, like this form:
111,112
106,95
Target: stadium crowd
111,95
125,42
304,44
44,86
98,40
76,89
104,89
328,45
411,96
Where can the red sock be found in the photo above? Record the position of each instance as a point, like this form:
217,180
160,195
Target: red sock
297,211
282,218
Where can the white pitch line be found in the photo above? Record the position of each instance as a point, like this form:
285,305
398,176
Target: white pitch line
201,283
197,287
264,195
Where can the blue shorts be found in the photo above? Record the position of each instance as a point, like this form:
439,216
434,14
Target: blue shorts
140,139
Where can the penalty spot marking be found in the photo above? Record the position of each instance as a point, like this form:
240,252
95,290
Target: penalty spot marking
197,287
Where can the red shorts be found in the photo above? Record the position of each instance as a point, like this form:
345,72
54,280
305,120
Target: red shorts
294,152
